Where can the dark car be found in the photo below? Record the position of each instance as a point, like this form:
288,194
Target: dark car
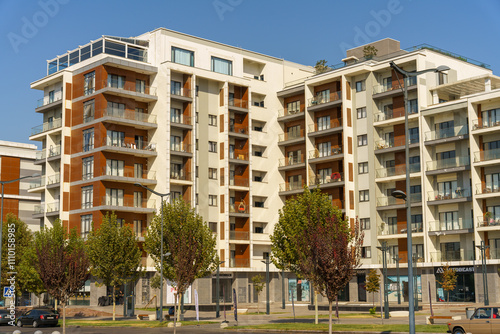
4,316
38,317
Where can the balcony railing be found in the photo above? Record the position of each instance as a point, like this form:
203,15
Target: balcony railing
287,112
181,176
459,224
487,188
239,156
389,200
239,263
237,208
132,144
238,129
394,86
458,255
180,119
395,142
128,202
453,194
181,147
488,221
485,123
390,114
128,115
130,87
448,163
47,126
494,253
52,207
447,133
316,153
292,160
53,179
130,172
321,99
238,182
239,235
334,123
38,182
54,151
39,209
487,155
47,99
291,135
329,179
291,186
397,170
238,103
390,229
185,92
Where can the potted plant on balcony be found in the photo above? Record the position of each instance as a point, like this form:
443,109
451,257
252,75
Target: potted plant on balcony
488,218
369,51
242,207
336,176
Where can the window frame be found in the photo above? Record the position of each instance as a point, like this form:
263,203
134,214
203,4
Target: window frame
363,167
361,112
229,64
174,58
212,147
364,195
361,87
212,200
362,140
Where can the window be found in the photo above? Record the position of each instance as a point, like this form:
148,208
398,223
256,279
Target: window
259,227
87,194
175,88
183,57
413,106
447,190
492,145
115,109
492,183
323,123
360,86
387,110
212,200
115,138
364,196
175,115
258,176
324,149
88,111
114,197
491,117
175,195
442,78
120,222
213,227
364,223
222,66
363,140
448,220
324,175
85,225
176,171
293,132
212,147
89,83
212,173
231,99
139,142
392,225
114,167
51,96
87,168
387,83
138,171
138,199
212,120
366,252
294,157
140,86
116,81
88,140
414,135
418,251
363,168
417,223
293,107
323,96
361,112
138,228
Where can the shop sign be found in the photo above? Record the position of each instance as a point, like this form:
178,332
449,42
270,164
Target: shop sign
458,270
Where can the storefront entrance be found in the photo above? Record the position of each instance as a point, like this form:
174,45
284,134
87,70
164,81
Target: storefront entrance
464,289
299,290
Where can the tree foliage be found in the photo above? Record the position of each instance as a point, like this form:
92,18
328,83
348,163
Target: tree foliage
372,284
321,66
448,280
114,255
258,285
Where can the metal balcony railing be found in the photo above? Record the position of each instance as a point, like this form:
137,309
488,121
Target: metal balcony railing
132,144
292,160
321,99
185,92
129,171
181,147
448,163
129,87
447,133
397,170
180,175
180,119
445,195
329,179
128,202
394,86
287,112
128,115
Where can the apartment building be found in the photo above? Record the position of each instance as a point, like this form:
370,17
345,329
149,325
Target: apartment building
17,161
237,133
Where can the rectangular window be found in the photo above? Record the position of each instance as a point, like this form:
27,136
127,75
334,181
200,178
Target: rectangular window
140,86
363,140
387,83
115,109
361,112
176,171
87,196
442,78
414,135
87,168
138,199
116,81
175,88
212,173
212,120
89,83
138,171
138,228
293,132
115,138
212,200
366,252
114,197
51,96
212,147
175,115
222,66
363,168
213,227
413,106
323,123
364,223
364,196
114,167
88,111
323,96
293,107
85,225
360,86
324,149
183,57
88,140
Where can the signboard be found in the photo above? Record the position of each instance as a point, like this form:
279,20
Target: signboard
458,270
171,291
223,275
8,292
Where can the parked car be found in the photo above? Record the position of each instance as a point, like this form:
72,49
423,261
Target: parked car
485,320
4,316
38,317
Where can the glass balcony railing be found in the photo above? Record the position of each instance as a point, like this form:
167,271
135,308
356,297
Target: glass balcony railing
494,253
389,229
47,126
456,255
126,115
238,128
397,170
128,202
287,112
291,186
487,155
180,175
130,87
52,207
239,156
316,153
447,133
446,195
321,99
390,114
328,179
292,160
238,103
48,99
37,182
487,220
133,145
239,263
485,123
394,86
238,182
54,151
238,208
181,147
448,163
334,123
389,200
452,225
130,172
185,92
487,188
39,209
239,235
180,119
54,179
291,135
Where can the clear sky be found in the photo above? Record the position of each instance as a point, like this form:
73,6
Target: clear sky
301,31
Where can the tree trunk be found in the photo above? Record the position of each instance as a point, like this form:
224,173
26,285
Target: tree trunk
330,316
114,305
258,305
337,308
175,313
64,318
179,306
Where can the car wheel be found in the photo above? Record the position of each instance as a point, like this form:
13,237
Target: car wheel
458,331
19,323
35,324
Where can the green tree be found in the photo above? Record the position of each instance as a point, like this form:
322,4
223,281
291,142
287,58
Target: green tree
258,285
321,66
62,263
114,255
372,283
448,280
189,241
28,277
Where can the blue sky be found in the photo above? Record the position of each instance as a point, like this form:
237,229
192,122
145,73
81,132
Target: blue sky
299,31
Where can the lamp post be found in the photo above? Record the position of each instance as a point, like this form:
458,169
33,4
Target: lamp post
384,248
483,248
267,286
1,212
160,312
217,291
397,259
404,87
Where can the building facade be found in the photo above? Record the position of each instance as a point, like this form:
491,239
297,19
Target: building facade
237,133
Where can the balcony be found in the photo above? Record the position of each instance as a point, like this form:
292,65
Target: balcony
448,256
494,254
488,221
130,90
181,149
39,210
48,99
238,182
127,204
289,114
317,156
455,195
334,180
440,136
47,126
239,263
128,175
238,131
239,158
180,121
334,126
53,180
291,137
139,148
239,210
321,101
449,226
382,91
181,93
291,162
238,104
393,229
397,203
449,165
390,114
139,120
487,155
397,170
398,142
485,124
180,176
291,188
239,235
52,209
487,189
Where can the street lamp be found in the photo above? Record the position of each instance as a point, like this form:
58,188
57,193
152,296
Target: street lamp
1,211
384,248
217,291
160,312
399,193
267,285
397,259
483,248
